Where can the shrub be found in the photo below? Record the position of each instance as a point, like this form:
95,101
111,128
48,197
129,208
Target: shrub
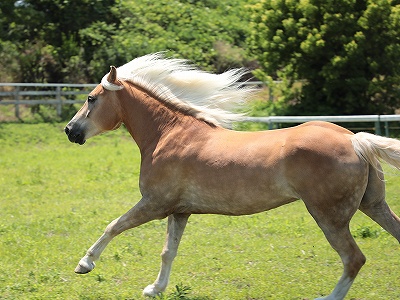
346,52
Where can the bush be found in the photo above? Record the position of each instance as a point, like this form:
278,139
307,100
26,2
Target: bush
347,53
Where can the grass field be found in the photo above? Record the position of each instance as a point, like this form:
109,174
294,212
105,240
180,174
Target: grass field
57,198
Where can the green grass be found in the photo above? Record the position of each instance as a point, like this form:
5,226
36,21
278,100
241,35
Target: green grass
57,198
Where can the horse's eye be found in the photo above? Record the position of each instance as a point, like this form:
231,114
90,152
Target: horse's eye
91,99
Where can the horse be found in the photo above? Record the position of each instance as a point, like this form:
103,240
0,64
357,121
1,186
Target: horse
193,163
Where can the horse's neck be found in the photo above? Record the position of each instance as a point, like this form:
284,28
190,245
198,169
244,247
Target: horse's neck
147,119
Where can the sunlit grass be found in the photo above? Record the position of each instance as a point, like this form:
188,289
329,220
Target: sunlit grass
57,198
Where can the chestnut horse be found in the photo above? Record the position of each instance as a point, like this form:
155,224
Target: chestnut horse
193,165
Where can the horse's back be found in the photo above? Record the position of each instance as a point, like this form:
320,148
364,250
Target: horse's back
327,125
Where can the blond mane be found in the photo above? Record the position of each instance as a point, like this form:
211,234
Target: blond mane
206,96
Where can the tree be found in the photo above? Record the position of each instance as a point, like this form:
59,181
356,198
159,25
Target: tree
47,36
201,31
60,40
346,53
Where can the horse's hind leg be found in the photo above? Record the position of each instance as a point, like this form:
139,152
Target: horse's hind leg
336,229
176,226
141,213
352,258
384,216
374,205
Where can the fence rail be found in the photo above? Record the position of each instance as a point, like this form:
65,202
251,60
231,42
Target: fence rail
60,94
57,94
272,121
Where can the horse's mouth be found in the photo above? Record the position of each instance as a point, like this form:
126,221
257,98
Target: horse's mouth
75,137
80,142
78,139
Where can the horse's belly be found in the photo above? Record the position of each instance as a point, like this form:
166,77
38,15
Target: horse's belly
235,198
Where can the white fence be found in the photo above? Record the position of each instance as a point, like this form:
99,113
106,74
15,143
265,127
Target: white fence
59,94
376,119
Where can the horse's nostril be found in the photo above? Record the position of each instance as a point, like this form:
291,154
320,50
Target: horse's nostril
66,130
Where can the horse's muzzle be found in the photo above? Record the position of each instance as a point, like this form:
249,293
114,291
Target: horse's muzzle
75,136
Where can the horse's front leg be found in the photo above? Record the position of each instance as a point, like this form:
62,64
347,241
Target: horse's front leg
141,213
176,226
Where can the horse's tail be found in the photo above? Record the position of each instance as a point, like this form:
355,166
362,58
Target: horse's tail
372,147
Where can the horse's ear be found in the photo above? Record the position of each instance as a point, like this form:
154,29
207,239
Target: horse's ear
110,82
112,76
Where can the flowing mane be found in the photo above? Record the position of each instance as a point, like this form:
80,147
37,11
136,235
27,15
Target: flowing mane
206,96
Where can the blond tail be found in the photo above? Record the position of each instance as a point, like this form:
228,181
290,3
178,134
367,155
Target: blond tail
373,148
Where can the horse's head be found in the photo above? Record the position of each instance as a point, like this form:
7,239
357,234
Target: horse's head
99,113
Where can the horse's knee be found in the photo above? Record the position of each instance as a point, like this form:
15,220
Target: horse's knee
111,228
168,255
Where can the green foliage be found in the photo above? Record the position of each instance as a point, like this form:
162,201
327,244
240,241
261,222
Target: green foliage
189,29
366,232
9,61
76,41
181,293
346,52
47,37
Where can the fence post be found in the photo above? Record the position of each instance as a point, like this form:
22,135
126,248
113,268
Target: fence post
16,95
387,129
378,127
59,100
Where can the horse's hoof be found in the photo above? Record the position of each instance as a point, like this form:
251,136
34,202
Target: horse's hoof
151,291
84,267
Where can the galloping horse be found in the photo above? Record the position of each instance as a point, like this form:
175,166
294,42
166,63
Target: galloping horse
191,164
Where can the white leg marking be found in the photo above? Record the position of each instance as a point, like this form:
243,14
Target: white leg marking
176,226
86,264
340,290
